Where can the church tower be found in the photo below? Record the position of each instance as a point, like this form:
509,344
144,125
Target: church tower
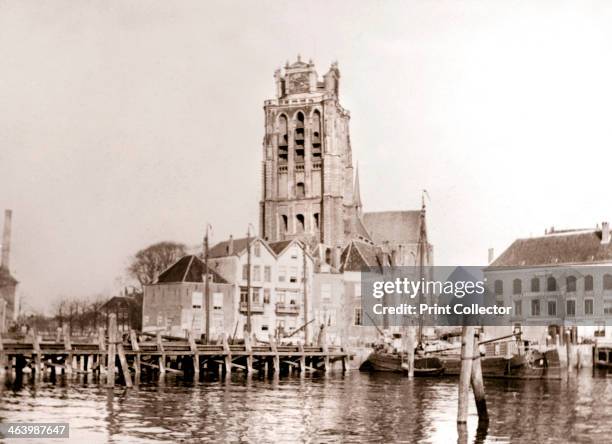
308,186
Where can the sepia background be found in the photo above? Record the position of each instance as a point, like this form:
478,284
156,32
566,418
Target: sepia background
121,126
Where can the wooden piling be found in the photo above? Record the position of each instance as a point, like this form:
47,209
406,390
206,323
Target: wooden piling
101,351
136,350
195,355
302,357
127,377
38,366
228,356
112,346
275,357
249,349
465,376
568,349
162,356
68,349
477,381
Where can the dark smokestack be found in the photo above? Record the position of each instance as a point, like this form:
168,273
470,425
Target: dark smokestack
6,240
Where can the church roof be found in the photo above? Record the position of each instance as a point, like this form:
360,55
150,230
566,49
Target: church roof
557,248
358,255
397,227
188,269
6,278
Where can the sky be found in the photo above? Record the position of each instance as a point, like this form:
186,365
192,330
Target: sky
127,123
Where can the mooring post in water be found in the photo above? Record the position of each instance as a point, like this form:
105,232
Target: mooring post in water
162,354
302,356
275,357
38,366
112,345
477,382
249,350
227,356
136,350
196,356
68,349
410,351
568,349
101,350
467,355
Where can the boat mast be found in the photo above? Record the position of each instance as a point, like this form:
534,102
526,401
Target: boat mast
421,253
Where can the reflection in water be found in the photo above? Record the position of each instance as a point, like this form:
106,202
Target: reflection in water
354,407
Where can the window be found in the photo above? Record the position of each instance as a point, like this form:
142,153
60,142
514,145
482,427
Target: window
600,330
570,284
266,298
607,307
552,308
293,274
316,220
499,287
283,140
551,284
316,134
570,307
518,308
217,301
535,307
588,283
326,293
282,273
257,250
607,282
264,328
256,273
328,256
268,273
299,138
517,286
588,307
294,253
300,191
300,223
245,272
358,316
535,285
243,295
256,294
280,295
284,224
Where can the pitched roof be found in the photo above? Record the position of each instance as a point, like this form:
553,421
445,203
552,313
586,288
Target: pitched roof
577,247
222,248
358,255
188,269
397,227
6,278
279,246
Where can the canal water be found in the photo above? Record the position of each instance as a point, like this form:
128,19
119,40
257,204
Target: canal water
354,407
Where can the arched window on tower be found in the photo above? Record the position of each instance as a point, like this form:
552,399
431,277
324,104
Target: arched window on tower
300,191
300,223
284,224
283,140
316,220
316,134
299,138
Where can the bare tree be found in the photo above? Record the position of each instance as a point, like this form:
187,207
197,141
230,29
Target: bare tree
148,263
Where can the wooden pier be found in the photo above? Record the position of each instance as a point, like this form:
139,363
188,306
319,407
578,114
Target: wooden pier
127,355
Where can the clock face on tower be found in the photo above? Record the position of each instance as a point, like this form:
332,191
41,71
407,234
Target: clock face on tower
297,83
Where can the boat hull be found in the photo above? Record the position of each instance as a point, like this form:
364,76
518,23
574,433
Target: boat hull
393,362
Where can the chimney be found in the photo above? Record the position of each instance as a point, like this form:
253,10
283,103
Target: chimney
491,255
230,246
6,240
605,233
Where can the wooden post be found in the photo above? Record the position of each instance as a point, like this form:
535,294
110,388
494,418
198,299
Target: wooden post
477,382
322,342
58,335
302,356
101,350
249,349
162,356
68,348
467,354
123,361
112,346
410,351
38,366
196,356
227,356
275,357
568,349
136,350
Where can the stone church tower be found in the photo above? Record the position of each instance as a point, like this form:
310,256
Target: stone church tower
308,184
